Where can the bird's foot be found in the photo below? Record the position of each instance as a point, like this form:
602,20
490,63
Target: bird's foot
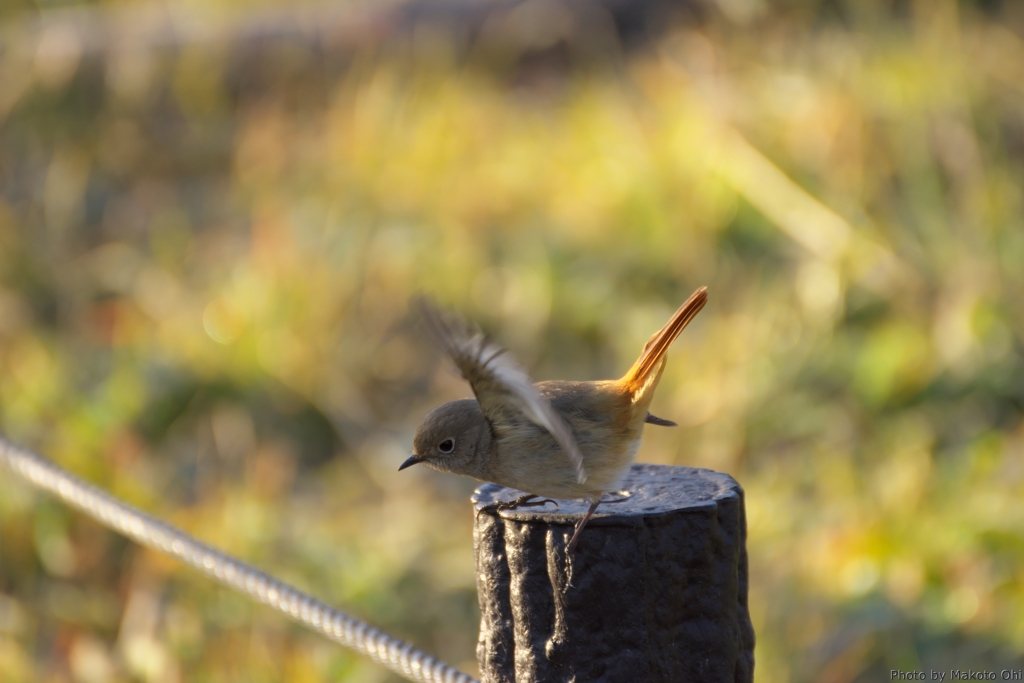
617,497
520,502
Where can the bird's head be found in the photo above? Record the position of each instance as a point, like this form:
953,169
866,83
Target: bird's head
454,437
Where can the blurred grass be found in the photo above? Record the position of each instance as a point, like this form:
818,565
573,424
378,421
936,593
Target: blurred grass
207,249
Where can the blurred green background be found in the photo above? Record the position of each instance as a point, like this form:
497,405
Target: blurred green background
213,216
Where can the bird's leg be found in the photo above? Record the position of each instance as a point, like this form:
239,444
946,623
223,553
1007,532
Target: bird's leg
522,501
582,523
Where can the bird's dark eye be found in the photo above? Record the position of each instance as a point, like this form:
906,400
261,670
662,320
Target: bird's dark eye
446,446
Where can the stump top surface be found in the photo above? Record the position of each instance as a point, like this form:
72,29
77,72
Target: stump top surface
654,489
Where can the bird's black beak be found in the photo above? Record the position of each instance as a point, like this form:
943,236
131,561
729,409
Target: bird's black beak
410,461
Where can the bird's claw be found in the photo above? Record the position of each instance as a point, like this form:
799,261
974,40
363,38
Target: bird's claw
622,496
522,501
533,503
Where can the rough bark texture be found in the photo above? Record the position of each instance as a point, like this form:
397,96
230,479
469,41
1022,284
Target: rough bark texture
655,591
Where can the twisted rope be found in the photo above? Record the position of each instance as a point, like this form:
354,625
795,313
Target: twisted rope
396,655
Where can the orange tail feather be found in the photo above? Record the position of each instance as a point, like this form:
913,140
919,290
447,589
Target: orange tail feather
646,367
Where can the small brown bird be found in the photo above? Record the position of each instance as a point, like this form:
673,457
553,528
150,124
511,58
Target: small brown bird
556,439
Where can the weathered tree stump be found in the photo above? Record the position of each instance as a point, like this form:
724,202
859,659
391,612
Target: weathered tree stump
655,591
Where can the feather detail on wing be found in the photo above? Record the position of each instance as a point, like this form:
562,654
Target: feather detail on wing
502,387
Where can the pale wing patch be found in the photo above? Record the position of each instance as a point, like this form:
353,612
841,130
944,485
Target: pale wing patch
499,382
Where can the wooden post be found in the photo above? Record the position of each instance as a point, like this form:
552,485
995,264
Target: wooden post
655,591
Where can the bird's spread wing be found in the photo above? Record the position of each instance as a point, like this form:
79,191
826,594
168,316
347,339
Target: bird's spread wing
502,387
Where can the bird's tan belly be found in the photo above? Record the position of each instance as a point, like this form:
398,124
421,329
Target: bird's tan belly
531,460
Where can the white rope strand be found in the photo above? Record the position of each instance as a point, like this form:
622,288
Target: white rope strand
396,655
